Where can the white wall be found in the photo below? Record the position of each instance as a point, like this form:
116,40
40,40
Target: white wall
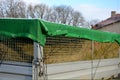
115,27
15,72
104,68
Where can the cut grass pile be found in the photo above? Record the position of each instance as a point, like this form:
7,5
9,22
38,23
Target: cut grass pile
79,50
18,50
57,50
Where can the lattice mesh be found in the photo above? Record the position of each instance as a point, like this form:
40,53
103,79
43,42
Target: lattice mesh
62,49
16,50
56,50
106,50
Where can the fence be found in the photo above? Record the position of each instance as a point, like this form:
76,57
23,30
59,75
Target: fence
19,51
16,56
16,50
64,50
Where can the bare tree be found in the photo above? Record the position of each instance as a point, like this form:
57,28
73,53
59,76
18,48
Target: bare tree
89,24
62,14
12,8
21,10
59,14
77,19
2,11
48,14
94,21
42,11
66,15
30,11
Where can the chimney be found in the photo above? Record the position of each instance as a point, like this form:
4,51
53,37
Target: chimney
113,13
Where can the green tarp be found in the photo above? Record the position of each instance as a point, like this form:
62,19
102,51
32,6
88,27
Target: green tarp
38,30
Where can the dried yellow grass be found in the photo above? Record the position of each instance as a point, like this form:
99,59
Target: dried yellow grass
58,53
67,53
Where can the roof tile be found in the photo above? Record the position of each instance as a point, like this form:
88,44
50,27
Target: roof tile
106,22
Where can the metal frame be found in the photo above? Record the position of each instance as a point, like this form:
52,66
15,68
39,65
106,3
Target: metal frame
38,63
119,51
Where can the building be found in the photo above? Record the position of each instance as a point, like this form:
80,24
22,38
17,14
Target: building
111,24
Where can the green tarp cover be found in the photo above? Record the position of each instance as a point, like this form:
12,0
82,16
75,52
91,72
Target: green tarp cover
38,30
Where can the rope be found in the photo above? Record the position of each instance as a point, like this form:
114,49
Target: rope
99,62
2,58
92,60
43,66
3,55
45,59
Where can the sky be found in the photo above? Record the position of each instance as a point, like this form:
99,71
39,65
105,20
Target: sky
90,9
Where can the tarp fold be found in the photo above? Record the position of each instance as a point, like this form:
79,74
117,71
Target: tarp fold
38,30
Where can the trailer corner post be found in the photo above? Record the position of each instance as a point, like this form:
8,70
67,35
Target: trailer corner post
38,64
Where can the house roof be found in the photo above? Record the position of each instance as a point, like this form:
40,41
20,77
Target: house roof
108,21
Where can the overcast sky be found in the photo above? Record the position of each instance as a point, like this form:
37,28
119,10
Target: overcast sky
90,9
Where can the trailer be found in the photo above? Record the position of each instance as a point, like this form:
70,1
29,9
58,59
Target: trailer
27,47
